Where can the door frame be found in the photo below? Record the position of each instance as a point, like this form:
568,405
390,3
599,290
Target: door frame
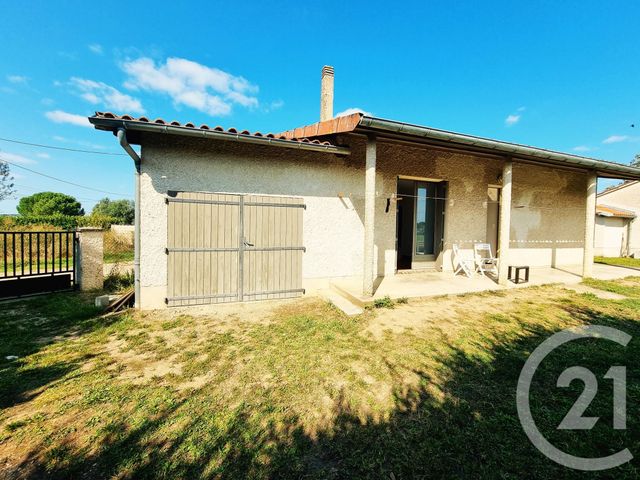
498,218
417,259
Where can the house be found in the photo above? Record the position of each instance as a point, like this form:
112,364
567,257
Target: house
229,215
617,230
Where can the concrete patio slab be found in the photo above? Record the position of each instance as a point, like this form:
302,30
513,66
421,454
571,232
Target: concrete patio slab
431,284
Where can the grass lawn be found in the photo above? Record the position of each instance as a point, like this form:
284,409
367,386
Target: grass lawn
114,257
54,265
298,390
619,261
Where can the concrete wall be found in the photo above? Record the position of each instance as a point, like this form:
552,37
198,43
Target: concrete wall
547,229
610,236
91,254
627,198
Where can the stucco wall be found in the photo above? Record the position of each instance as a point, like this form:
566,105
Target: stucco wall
465,212
627,198
332,226
610,236
548,205
547,219
547,216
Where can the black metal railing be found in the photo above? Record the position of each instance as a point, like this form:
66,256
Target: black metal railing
30,254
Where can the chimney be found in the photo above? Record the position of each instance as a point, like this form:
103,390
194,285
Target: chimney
326,94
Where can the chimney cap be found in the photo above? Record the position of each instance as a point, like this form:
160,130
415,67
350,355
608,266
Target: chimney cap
327,70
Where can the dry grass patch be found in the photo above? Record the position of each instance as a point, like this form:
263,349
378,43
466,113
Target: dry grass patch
288,390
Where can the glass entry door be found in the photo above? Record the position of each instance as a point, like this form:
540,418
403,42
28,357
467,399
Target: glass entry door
424,226
419,222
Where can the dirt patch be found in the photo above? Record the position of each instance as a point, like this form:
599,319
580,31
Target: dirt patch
139,368
445,313
155,348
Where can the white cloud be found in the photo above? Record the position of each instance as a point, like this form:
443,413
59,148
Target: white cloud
43,155
616,139
47,101
17,78
101,93
203,88
512,119
12,157
58,116
276,104
581,148
352,110
96,48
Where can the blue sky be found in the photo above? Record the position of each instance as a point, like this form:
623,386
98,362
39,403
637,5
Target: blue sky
560,75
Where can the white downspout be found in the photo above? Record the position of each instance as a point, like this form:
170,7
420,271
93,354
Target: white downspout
122,138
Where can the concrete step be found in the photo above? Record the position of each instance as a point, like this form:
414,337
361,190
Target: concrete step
342,303
352,298
422,268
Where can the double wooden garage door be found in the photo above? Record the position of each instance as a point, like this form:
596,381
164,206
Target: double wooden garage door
229,248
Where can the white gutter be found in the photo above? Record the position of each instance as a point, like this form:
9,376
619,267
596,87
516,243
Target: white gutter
513,150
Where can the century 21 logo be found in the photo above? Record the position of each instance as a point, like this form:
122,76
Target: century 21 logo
574,420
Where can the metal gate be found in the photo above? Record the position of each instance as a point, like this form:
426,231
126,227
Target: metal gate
36,262
230,248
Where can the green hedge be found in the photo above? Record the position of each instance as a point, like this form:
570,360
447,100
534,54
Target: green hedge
66,222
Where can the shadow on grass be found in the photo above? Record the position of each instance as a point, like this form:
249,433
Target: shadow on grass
28,326
467,427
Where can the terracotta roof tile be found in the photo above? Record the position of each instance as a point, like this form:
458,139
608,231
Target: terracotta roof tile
174,123
346,123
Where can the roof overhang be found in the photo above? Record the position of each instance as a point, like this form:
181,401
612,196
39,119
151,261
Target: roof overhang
609,211
137,126
390,129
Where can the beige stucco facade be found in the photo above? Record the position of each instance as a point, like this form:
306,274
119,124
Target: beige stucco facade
547,215
626,197
611,236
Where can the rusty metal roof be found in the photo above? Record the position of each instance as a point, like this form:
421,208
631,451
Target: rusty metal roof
112,122
609,211
392,129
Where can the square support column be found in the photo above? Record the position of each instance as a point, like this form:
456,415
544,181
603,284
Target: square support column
368,270
505,221
589,227
90,258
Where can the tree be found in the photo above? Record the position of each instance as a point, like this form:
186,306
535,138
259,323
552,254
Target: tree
121,210
636,161
6,181
49,203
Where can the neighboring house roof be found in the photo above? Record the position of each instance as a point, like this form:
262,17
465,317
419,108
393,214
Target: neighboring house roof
363,124
615,188
609,211
112,122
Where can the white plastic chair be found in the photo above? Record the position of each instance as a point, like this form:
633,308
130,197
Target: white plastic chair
485,262
462,264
